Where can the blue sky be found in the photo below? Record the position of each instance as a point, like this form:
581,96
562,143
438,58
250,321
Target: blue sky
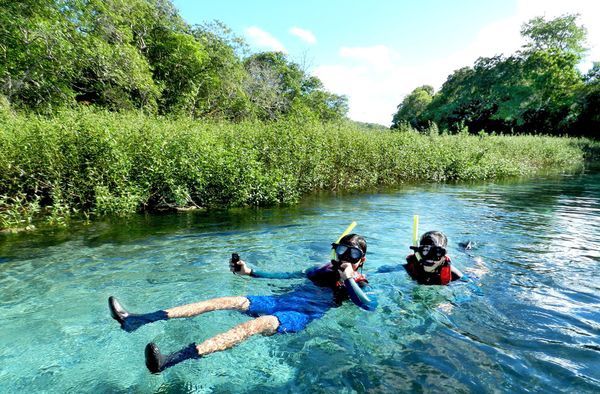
375,52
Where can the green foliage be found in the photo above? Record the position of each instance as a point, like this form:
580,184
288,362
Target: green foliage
279,87
178,62
557,35
17,211
537,90
412,108
36,53
89,162
140,54
221,94
588,104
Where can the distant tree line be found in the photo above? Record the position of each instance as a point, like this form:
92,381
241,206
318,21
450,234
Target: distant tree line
537,90
140,54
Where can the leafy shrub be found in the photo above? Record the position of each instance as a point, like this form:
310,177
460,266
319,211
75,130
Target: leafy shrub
96,163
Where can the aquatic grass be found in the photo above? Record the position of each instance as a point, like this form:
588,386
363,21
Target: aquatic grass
93,162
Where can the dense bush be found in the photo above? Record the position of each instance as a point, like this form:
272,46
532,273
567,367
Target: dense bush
93,162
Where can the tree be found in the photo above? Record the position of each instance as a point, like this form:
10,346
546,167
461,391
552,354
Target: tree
588,105
277,87
534,90
119,40
140,54
412,108
323,104
266,85
452,103
561,34
37,53
222,94
178,60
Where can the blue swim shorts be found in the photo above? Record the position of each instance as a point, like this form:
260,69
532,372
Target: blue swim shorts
293,315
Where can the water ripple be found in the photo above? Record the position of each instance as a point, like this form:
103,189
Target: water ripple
530,322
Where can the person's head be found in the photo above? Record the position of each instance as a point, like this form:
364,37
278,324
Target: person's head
431,252
352,248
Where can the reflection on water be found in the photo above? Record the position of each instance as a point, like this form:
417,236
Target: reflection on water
531,322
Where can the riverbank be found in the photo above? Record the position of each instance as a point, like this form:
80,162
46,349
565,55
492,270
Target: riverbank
89,163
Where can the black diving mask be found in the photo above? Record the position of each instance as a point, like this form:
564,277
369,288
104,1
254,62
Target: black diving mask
430,252
348,252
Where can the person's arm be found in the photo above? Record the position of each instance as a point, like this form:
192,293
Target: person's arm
409,267
356,294
243,269
463,277
359,297
277,275
457,274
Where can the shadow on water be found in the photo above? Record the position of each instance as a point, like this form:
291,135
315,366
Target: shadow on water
142,227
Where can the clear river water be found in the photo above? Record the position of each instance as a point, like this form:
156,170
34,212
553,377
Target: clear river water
530,322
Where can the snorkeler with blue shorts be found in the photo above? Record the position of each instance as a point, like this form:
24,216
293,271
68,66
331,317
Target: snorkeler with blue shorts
327,287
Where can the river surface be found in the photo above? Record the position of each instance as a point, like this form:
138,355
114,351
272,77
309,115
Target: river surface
530,322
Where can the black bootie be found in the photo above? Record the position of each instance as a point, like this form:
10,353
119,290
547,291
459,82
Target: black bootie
158,362
131,321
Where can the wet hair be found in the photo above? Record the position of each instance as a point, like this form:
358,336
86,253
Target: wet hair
435,238
355,240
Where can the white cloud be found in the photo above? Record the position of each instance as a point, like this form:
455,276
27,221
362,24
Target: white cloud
262,39
379,56
305,35
376,78
373,89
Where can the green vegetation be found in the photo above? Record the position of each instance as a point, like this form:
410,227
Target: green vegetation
90,162
141,55
537,90
113,107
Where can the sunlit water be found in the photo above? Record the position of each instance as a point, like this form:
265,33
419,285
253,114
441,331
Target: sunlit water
530,323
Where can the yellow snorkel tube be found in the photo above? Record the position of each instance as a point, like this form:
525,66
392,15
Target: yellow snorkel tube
416,230
346,232
416,235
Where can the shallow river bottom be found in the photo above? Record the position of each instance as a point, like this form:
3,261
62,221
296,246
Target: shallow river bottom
531,322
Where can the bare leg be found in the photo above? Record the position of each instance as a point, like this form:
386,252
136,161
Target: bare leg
189,310
157,362
132,321
266,325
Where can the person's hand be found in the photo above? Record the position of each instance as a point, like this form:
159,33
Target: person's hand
242,268
346,271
